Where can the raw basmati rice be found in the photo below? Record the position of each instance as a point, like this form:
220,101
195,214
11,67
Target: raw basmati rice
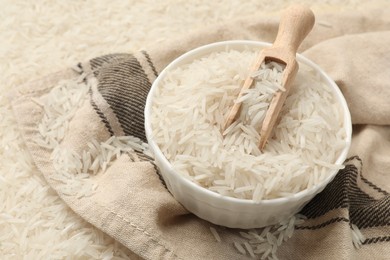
60,105
249,249
263,243
357,236
215,234
192,103
239,248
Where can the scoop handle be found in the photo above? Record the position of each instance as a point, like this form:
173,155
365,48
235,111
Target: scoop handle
295,24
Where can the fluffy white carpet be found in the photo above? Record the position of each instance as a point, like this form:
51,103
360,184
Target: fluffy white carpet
41,37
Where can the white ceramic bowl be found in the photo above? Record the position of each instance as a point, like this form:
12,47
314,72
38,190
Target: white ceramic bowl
228,211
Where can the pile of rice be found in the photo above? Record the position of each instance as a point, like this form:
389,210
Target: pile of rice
188,114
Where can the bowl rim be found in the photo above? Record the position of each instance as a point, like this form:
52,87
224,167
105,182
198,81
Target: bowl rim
347,124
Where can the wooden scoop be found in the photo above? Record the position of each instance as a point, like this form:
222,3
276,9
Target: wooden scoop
296,22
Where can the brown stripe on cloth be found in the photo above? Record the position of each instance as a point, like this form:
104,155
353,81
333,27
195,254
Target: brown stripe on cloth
332,212
332,230
366,185
122,83
114,113
100,114
376,240
106,60
344,192
376,235
104,109
147,65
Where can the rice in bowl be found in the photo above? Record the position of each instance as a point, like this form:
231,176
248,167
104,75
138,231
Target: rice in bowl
225,179
189,110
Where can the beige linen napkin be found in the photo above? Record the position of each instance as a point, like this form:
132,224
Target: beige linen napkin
65,117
